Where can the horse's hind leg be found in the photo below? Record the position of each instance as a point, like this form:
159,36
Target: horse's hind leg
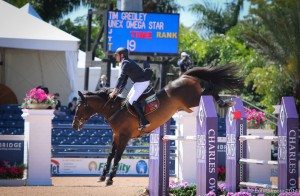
210,89
108,163
119,152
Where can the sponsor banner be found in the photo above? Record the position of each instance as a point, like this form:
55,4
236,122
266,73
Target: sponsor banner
12,151
88,166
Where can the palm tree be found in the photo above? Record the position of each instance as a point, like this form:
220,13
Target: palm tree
275,32
163,6
215,20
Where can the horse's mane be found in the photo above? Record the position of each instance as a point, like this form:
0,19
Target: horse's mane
100,92
103,93
223,77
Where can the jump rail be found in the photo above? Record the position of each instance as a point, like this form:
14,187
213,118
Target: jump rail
287,138
206,152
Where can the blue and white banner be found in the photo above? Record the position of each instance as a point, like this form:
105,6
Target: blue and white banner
12,151
86,166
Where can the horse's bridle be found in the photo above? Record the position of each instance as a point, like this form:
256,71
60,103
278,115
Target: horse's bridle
80,120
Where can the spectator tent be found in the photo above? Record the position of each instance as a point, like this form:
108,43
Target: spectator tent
33,52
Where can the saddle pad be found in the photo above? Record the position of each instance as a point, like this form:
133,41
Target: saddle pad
152,103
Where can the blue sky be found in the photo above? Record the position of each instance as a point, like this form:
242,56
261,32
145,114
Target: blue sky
186,17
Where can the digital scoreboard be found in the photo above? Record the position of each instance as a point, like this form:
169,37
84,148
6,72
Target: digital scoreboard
142,33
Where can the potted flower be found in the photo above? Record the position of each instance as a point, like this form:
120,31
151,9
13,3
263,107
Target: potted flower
11,175
255,118
36,98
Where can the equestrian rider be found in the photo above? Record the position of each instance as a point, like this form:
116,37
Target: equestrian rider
138,76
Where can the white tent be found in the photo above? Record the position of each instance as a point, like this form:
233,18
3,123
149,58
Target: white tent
94,73
36,53
30,10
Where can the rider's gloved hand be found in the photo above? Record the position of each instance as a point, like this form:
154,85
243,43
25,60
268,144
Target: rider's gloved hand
113,94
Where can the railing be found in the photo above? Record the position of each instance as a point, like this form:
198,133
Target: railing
269,117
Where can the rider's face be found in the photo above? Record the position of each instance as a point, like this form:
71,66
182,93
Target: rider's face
118,57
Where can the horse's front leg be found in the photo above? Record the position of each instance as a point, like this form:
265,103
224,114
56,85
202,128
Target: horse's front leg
119,152
108,163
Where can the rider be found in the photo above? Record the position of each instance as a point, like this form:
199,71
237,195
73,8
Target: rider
138,76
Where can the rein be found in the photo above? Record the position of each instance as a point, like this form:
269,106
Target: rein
106,103
109,118
81,119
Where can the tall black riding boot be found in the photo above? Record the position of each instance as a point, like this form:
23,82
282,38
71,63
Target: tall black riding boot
139,111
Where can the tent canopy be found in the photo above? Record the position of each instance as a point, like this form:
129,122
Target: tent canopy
36,53
30,10
21,30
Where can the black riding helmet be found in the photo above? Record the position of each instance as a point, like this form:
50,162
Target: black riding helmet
123,51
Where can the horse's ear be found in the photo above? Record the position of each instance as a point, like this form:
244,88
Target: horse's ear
81,96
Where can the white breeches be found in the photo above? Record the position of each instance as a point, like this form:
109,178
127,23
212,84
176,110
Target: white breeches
137,90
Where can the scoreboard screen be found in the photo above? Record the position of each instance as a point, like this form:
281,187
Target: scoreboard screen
142,33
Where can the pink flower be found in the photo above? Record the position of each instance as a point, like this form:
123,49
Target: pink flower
37,95
211,193
255,118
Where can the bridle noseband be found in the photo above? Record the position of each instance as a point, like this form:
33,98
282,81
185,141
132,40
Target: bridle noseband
81,119
85,105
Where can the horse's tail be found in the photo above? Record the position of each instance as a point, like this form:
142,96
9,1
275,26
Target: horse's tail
222,77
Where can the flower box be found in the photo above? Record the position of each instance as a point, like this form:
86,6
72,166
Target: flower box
11,174
39,106
12,182
37,98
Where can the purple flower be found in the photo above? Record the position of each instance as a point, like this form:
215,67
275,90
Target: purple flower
289,194
222,186
230,194
239,194
178,184
242,194
211,193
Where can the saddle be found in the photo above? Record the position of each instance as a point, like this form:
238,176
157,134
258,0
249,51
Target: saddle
148,101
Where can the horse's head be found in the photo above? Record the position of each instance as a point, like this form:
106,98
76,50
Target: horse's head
83,112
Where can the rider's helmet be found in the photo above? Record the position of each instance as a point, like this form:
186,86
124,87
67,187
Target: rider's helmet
184,54
123,51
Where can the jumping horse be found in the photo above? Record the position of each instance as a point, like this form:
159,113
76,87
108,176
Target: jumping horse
180,94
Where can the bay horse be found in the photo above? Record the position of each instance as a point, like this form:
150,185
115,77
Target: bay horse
180,94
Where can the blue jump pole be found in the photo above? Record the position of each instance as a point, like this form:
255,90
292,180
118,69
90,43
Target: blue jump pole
159,158
235,172
206,145
288,128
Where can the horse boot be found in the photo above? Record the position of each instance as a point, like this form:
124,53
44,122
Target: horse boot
209,88
223,103
143,121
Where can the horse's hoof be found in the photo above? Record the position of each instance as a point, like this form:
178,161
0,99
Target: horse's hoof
143,192
225,103
109,182
101,179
